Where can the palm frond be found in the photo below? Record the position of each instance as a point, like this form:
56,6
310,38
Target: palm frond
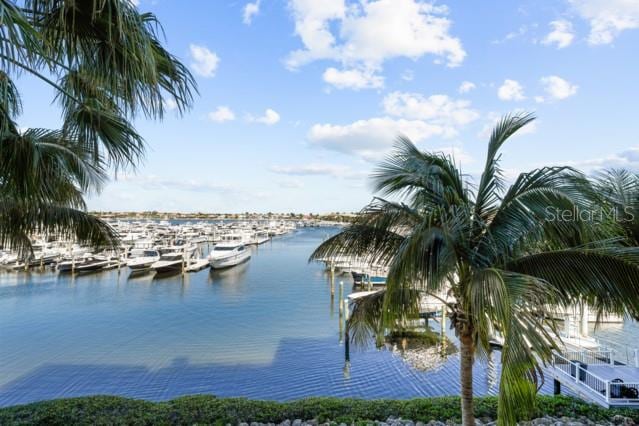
374,236
491,182
429,178
19,41
10,101
513,305
42,165
618,191
607,278
531,213
106,133
19,221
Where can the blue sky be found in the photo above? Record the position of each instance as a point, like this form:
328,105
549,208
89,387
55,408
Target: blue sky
300,98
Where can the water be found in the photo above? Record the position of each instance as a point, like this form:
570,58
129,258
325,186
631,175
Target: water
266,330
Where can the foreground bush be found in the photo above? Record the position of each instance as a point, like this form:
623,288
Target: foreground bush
110,410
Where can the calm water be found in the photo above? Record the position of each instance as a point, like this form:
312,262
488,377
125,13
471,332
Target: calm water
266,329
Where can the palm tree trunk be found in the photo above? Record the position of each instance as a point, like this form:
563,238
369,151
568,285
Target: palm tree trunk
466,374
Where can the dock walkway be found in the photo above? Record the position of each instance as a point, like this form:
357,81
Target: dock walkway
596,377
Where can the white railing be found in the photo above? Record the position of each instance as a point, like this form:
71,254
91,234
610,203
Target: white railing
601,357
574,366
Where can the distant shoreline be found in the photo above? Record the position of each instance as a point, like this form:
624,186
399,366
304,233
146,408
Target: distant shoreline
332,217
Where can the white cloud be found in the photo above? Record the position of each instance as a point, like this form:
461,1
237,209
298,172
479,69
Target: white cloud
556,88
269,118
251,10
169,104
607,18
520,32
411,114
562,34
437,109
466,87
628,159
135,2
204,62
511,90
370,139
353,79
364,35
319,169
222,114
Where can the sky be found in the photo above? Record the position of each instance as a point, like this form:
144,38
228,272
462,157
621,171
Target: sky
300,99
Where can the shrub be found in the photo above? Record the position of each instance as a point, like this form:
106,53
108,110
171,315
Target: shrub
206,409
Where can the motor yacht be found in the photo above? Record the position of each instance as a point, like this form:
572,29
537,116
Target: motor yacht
227,254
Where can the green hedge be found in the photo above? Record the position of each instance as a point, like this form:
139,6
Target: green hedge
110,410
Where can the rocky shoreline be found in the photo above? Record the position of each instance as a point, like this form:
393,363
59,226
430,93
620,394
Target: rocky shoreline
391,421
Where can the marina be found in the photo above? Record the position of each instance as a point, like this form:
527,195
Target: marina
156,246
158,336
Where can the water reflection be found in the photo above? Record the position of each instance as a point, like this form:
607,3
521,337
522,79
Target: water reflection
233,275
260,330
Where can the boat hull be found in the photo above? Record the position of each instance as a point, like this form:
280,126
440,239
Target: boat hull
230,261
167,266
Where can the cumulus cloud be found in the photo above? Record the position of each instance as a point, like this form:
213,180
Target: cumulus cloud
250,11
562,34
414,115
628,159
438,109
353,79
373,138
269,117
556,88
204,61
607,18
364,35
511,90
222,114
318,169
466,87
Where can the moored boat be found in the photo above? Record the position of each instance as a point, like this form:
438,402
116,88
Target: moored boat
143,262
225,255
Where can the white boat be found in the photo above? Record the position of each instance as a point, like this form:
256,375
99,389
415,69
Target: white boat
259,237
69,264
97,263
143,261
225,255
172,258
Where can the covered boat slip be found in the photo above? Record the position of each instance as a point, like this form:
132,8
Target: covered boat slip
597,377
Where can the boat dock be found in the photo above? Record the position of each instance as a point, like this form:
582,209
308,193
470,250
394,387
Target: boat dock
596,377
195,265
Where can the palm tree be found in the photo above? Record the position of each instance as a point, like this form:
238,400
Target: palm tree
618,191
105,61
503,255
